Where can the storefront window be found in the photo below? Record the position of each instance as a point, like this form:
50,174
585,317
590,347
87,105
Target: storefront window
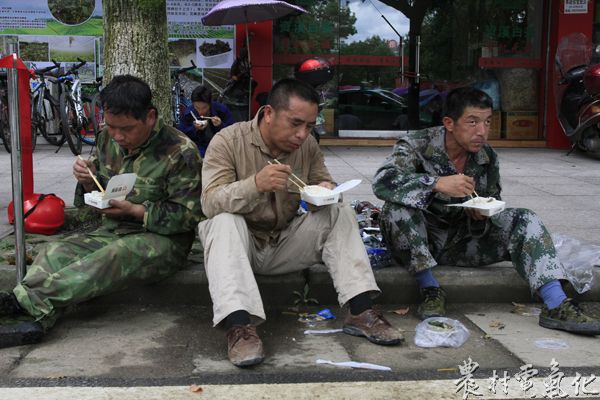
495,45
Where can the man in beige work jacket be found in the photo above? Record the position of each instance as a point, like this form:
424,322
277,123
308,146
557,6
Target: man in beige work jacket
254,226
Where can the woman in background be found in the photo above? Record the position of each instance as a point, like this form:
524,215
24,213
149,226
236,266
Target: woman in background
204,118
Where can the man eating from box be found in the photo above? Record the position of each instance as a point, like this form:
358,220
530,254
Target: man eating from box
433,168
254,226
143,238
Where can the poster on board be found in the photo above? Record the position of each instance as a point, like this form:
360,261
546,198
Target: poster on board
66,29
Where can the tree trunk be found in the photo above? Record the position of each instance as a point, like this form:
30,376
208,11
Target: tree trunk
135,43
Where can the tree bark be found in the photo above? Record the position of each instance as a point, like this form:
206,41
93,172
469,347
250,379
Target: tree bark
415,11
135,43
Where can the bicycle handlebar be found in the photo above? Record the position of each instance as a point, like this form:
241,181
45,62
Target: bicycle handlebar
47,69
75,67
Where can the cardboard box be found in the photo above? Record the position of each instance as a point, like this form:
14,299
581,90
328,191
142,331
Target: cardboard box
520,124
328,114
496,126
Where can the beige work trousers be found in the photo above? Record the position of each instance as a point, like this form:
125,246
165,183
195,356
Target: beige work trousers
232,256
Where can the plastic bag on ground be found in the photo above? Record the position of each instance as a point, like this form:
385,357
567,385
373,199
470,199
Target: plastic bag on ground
579,259
440,332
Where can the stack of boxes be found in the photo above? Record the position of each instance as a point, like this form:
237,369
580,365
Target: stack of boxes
520,125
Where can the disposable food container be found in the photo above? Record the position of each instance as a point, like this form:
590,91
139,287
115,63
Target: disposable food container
486,206
117,189
321,196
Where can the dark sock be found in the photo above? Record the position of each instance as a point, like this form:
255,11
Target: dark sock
425,279
239,317
360,303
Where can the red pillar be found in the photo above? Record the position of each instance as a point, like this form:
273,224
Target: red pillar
24,122
261,54
563,25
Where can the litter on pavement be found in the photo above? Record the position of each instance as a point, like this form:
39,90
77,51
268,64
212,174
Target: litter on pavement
354,364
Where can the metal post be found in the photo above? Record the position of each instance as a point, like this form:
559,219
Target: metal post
401,61
418,61
16,168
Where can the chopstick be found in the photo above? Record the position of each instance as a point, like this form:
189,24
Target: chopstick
298,179
295,180
471,194
200,117
91,174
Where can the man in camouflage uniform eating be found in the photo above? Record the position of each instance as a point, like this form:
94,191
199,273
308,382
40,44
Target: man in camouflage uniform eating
435,167
143,238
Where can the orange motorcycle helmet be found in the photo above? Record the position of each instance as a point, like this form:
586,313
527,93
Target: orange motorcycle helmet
44,213
591,79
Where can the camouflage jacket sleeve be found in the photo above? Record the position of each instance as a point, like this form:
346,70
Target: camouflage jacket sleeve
180,211
403,180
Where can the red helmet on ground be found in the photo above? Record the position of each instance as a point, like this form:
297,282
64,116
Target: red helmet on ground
591,79
44,213
314,71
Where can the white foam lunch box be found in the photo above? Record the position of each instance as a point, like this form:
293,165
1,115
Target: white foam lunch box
487,206
118,187
321,196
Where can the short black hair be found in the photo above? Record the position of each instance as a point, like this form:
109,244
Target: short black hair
201,93
129,95
279,96
460,98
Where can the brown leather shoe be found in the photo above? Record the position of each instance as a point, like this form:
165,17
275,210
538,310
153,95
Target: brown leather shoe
372,325
244,347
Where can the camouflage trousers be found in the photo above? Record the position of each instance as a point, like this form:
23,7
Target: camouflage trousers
84,266
420,240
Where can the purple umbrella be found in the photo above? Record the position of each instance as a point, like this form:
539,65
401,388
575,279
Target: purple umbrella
231,12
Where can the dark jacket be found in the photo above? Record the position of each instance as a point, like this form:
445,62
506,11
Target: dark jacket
202,138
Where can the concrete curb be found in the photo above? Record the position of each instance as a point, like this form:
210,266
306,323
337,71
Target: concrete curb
497,283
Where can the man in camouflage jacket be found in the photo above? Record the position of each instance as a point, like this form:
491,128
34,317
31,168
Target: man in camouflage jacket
432,168
142,239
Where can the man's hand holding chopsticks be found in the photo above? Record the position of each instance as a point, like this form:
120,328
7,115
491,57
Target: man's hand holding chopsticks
80,171
272,178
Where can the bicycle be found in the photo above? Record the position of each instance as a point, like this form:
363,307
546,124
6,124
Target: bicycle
4,124
72,111
178,100
44,107
96,110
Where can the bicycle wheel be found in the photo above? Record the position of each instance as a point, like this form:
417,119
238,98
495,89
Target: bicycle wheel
97,114
70,125
87,132
36,129
4,125
5,133
51,121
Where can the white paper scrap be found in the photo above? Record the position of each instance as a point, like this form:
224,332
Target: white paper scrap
354,364
321,331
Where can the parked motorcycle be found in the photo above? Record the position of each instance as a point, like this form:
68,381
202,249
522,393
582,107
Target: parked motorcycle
577,89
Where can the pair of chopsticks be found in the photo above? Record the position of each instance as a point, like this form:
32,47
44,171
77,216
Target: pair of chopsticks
92,175
293,178
470,194
201,117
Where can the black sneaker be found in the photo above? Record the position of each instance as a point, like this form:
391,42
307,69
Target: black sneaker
9,306
569,317
434,303
19,331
